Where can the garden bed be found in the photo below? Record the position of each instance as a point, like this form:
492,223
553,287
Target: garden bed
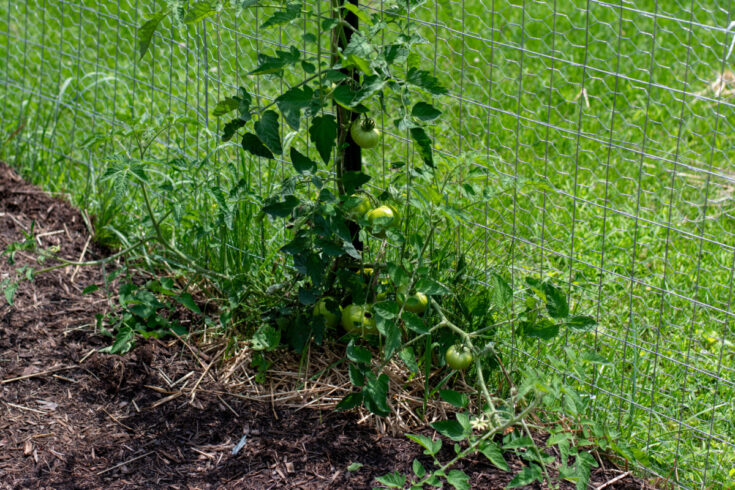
71,417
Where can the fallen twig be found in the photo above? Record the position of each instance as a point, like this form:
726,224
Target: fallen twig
610,482
125,462
81,257
36,375
115,419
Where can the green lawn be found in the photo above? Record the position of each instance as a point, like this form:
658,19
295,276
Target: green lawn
612,107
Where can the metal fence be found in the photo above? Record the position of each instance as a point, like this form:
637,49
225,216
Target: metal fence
625,109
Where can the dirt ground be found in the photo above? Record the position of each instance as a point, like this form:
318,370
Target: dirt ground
71,417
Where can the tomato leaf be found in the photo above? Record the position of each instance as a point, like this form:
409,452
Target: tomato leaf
146,31
323,132
493,453
431,287
228,104
392,480
526,476
243,107
302,163
431,446
414,322
519,443
409,359
451,429
292,102
358,51
231,128
459,480
501,291
395,53
267,130
418,468
252,143
349,402
582,468
356,376
271,64
281,17
425,80
356,353
556,301
266,337
375,394
542,328
425,112
281,209
581,323
354,180
370,85
359,13
424,145
452,397
199,11
386,309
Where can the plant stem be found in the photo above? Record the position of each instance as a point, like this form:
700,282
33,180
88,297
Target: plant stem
67,263
487,435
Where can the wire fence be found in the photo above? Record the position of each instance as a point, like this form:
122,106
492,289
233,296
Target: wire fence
625,109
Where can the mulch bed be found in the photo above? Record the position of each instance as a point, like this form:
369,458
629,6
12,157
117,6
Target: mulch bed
80,419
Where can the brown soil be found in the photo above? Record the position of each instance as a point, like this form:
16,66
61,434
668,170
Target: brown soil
81,419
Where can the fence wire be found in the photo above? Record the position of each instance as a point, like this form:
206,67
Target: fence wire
624,109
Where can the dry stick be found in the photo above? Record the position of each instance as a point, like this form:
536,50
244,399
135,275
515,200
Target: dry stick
35,375
197,355
125,462
26,408
610,482
206,370
118,421
81,258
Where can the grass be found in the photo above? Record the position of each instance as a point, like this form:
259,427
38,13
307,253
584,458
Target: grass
637,151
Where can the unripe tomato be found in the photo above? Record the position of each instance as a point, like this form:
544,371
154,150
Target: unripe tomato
364,133
358,205
321,309
359,320
458,357
383,216
416,303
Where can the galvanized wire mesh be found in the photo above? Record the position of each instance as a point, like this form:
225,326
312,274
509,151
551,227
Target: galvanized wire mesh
624,109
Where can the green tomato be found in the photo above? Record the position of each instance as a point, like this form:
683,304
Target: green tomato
359,320
383,216
330,319
416,303
364,133
458,357
358,205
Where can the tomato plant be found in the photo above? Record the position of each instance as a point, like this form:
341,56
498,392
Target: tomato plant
321,116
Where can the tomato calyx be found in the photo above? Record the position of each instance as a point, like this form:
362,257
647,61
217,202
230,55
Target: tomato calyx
367,124
364,133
